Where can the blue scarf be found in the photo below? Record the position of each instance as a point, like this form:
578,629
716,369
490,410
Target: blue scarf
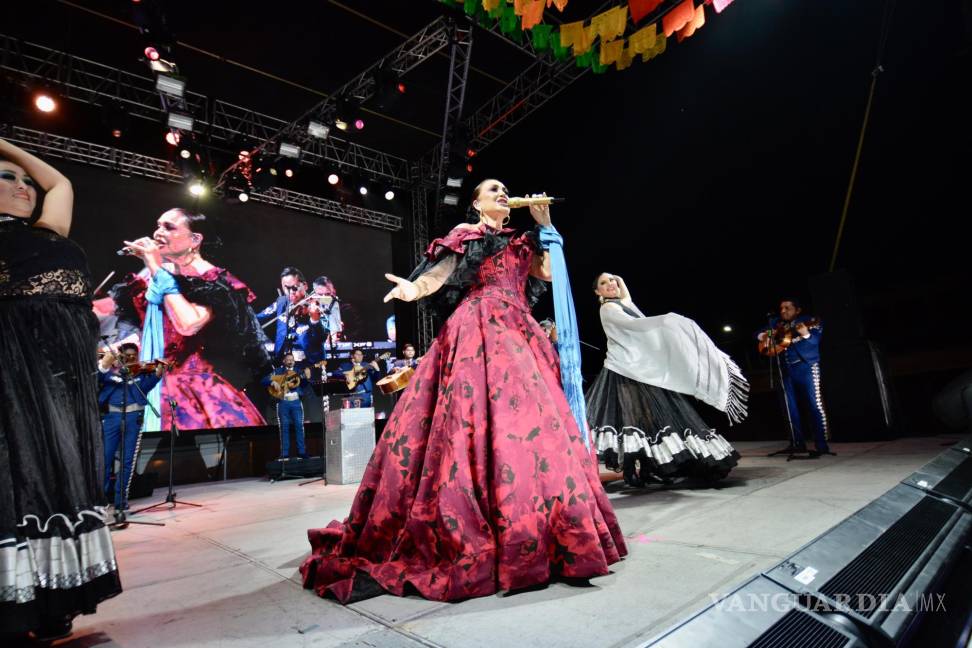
568,339
153,339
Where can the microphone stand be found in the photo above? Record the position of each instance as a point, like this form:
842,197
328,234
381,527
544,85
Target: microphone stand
791,450
170,498
121,481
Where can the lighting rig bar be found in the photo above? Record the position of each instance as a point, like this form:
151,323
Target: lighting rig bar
417,49
90,82
134,164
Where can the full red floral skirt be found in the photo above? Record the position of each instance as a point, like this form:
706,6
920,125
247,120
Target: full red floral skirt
481,481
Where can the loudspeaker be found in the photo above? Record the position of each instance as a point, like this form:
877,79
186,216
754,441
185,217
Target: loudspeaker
349,441
143,485
294,468
872,580
835,302
858,395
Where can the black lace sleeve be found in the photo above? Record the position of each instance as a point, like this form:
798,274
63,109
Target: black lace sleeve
477,250
234,331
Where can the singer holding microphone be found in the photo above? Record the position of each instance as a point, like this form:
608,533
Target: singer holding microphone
192,314
481,480
56,552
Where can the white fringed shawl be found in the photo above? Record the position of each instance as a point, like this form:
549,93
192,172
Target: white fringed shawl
671,351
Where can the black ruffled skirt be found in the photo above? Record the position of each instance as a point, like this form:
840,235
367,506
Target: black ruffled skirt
653,434
56,552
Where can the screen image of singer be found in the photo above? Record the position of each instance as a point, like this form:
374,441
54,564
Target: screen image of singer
217,368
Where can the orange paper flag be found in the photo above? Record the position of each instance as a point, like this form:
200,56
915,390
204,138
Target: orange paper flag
532,14
560,4
678,17
693,25
641,8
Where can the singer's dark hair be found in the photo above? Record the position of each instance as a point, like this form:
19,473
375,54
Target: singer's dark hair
408,345
128,345
793,300
199,224
323,280
356,349
292,271
471,214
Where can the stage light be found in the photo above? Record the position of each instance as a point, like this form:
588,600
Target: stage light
170,85
172,138
453,182
359,123
727,329
117,133
389,195
400,87
45,102
363,190
341,125
197,188
333,179
469,168
286,149
185,153
318,130
243,196
180,121
289,172
151,53
450,199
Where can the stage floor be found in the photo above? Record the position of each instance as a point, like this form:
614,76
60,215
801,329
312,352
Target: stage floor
226,574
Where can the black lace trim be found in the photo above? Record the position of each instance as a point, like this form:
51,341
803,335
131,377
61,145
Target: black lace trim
446,298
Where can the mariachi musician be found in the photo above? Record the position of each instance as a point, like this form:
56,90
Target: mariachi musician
795,339
123,382
301,327
288,385
360,377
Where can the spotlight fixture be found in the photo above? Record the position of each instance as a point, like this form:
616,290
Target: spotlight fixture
727,329
469,168
363,190
455,183
451,199
151,53
318,130
341,125
243,196
400,87
289,150
185,153
44,101
197,188
180,121
172,137
389,195
289,172
359,123
170,85
333,179
117,133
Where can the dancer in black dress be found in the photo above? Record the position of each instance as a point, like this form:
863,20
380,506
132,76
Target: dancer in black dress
638,411
56,552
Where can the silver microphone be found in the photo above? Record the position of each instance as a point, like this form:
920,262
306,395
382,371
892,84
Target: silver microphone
516,203
125,252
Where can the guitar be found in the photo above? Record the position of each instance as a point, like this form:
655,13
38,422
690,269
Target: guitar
280,384
360,373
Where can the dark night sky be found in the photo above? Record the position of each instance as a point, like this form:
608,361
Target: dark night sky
712,177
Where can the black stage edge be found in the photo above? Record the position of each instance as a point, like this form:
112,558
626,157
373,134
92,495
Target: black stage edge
895,573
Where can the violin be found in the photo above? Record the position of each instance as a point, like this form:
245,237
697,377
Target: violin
782,336
281,384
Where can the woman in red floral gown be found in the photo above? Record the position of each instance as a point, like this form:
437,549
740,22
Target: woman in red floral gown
481,480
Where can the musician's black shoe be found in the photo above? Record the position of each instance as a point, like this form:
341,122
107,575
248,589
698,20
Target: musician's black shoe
303,455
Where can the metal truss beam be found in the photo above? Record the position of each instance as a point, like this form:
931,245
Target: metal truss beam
127,163
414,51
94,83
424,326
460,53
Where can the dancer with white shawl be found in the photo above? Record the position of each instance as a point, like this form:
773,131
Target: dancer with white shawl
640,418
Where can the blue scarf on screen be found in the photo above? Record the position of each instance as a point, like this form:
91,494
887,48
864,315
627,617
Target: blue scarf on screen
153,339
568,339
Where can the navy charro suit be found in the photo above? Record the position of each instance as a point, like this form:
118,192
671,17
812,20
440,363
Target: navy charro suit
299,335
290,412
800,364
112,396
